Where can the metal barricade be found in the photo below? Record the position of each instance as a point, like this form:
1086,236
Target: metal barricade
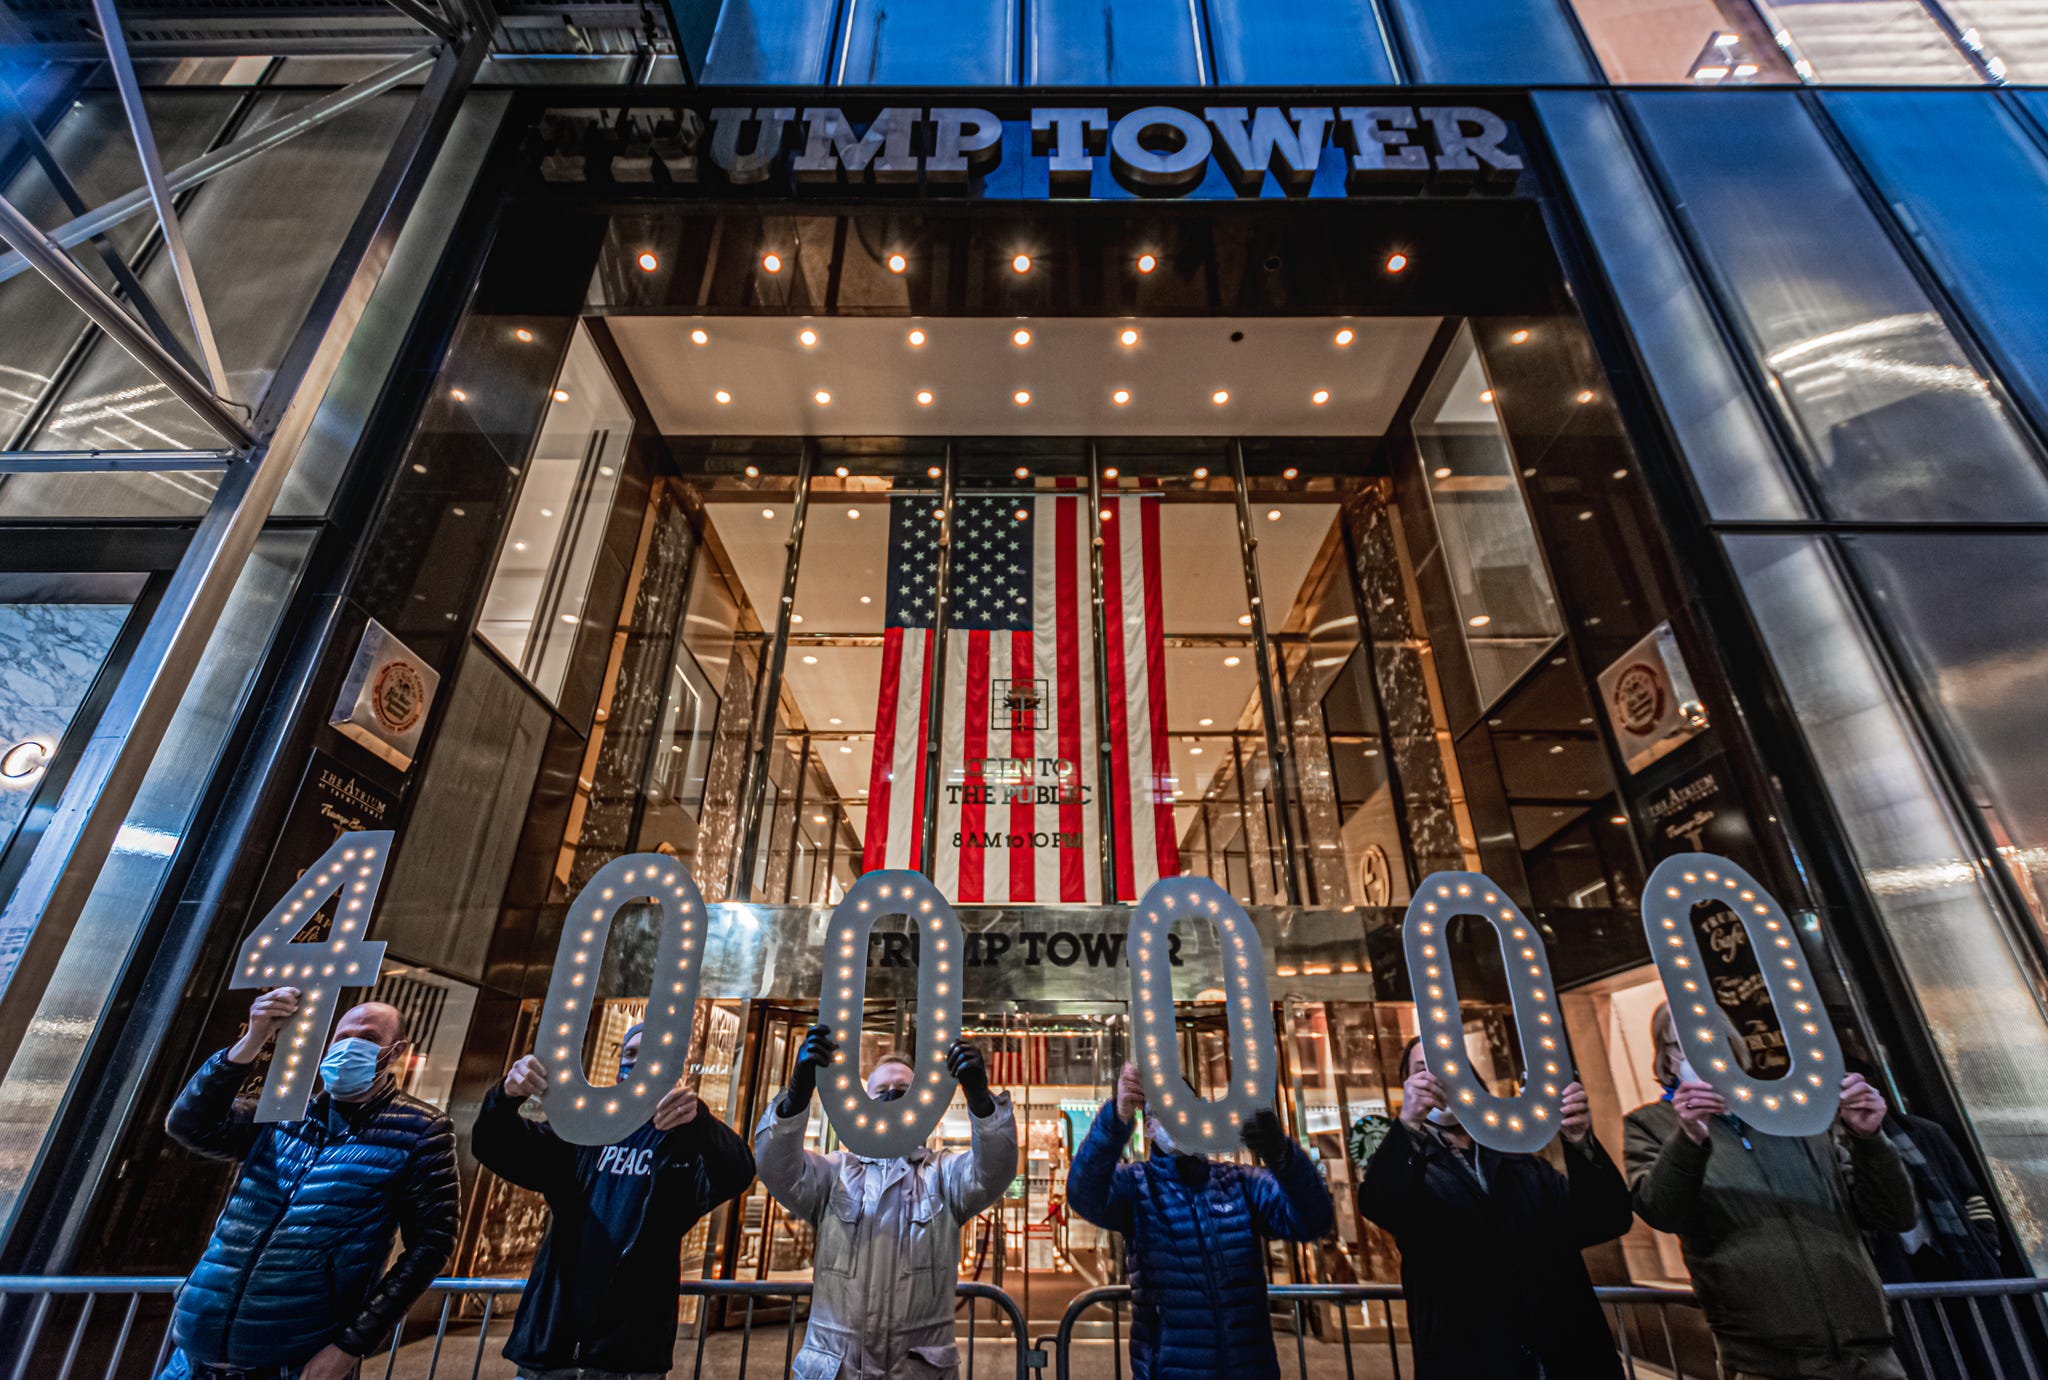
118,1328
1972,1330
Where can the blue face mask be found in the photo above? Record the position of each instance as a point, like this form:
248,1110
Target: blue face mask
350,1066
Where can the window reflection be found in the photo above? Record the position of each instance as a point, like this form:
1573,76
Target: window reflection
1299,43
1505,603
1112,43
930,43
1705,42
1873,42
535,600
1896,419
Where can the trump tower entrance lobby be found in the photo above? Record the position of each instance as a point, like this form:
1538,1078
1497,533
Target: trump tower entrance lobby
894,692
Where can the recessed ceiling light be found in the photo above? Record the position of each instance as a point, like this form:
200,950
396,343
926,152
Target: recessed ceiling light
835,721
1220,397
853,513
846,747
547,512
842,471
1556,748
699,337
1479,620
1290,473
807,336
523,336
1519,338
1107,515
897,263
796,618
1023,472
1396,262
518,546
1204,723
810,661
1346,336
1121,396
1272,515
1244,620
1320,396
1486,395
1619,474
932,473
767,512
821,398
1442,472
1585,395
924,397
1021,263
1617,819
1194,752
753,471
1232,660
817,819
1110,473
606,470
1202,472
1147,262
1022,515
1020,337
1021,397
772,262
1586,516
1128,335
570,618
458,395
561,395
916,338
648,262
867,599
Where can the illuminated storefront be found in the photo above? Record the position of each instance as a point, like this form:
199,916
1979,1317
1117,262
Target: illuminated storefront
1054,492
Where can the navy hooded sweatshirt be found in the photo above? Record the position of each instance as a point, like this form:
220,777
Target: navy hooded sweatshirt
602,1294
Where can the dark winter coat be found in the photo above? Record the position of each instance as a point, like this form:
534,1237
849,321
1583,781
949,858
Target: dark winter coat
296,1262
1493,1275
1772,1229
602,1294
1198,1272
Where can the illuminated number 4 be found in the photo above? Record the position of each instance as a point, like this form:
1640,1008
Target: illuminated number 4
349,873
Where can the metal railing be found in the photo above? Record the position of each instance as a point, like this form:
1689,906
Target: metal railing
1968,1330
69,1328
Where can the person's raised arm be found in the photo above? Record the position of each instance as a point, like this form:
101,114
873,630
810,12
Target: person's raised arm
698,1141
1099,1183
428,1210
799,1179
1288,1196
1665,1176
1879,1188
208,1118
1594,1197
527,1153
979,1178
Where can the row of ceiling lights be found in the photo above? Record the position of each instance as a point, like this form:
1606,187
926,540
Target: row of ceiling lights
1020,263
1022,397
1110,472
917,337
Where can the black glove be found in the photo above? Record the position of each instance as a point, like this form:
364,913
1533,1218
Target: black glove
817,1054
1266,1138
970,1071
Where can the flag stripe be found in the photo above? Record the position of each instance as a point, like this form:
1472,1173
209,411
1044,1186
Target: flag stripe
1117,642
1165,830
1067,606
1024,744
881,768
974,747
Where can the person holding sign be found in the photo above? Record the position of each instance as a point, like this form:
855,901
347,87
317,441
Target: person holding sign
1772,1226
1193,1228
294,1283
888,1230
1450,1203
601,1302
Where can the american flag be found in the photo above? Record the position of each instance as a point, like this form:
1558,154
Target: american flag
1019,797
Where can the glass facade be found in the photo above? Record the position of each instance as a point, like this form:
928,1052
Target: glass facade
1274,484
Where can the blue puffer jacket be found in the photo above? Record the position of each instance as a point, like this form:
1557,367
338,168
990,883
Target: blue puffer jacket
297,1257
1198,1273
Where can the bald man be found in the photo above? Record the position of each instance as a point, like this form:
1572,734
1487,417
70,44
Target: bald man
293,1285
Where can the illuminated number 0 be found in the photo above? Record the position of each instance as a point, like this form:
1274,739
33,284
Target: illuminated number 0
1803,1100
869,1127
1514,1125
1199,1125
578,1111
350,872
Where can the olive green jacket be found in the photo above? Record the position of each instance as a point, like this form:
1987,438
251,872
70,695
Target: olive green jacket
1773,1234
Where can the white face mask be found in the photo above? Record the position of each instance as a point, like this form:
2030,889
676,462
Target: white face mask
1687,1073
1155,1131
1442,1116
